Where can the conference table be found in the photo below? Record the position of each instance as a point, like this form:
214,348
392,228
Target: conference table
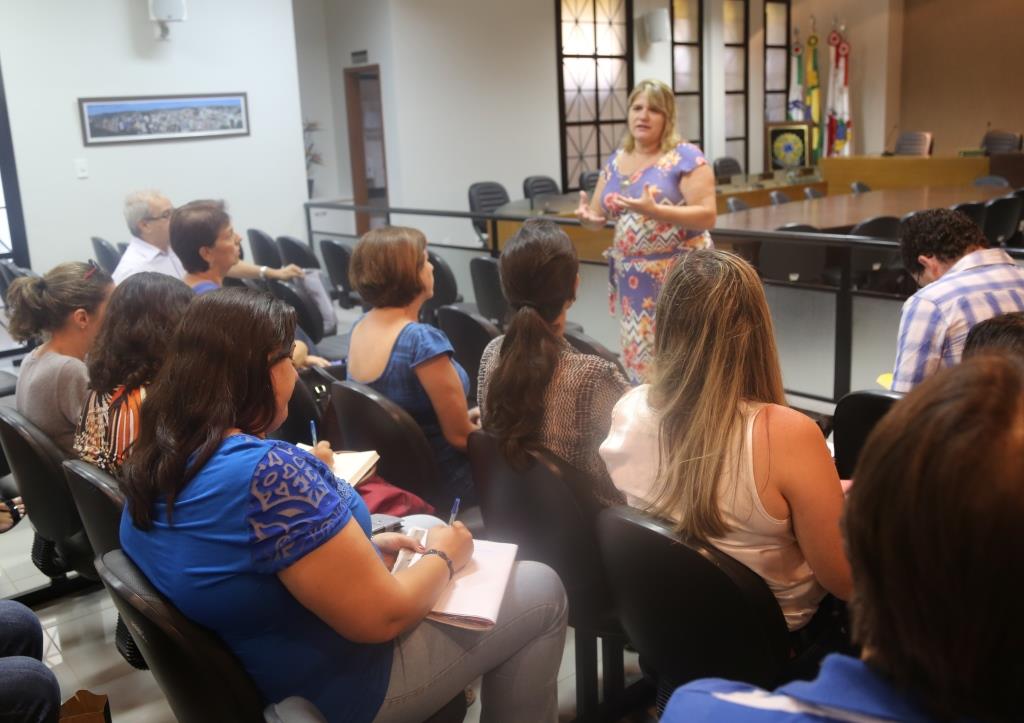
840,213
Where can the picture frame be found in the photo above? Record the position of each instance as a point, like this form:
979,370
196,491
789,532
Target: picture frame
159,118
787,145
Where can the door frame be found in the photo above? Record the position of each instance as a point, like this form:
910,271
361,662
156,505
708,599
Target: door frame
357,155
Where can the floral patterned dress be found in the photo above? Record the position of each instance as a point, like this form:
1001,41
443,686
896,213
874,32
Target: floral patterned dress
643,249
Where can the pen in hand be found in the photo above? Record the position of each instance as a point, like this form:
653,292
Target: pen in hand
312,431
455,511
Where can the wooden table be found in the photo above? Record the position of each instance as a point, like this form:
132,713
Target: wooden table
840,213
880,172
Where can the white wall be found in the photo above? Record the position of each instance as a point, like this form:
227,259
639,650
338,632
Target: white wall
52,54
652,60
315,92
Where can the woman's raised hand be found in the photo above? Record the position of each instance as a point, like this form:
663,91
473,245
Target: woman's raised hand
585,213
647,202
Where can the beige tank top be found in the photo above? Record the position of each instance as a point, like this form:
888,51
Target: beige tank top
761,542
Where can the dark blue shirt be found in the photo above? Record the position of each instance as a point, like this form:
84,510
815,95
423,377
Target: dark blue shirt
254,509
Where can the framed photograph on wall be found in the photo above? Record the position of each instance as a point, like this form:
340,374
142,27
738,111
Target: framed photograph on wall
787,145
144,119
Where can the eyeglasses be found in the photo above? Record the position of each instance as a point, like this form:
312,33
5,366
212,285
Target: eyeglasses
162,217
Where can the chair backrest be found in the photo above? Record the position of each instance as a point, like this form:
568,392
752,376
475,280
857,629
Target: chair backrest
914,143
469,334
107,256
35,462
589,345
736,204
858,187
264,250
306,311
779,197
486,196
446,289
337,257
203,681
99,500
358,418
995,141
974,211
297,252
9,271
588,181
887,227
1002,216
993,181
726,167
690,610
302,409
490,299
540,186
811,193
856,415
796,263
549,511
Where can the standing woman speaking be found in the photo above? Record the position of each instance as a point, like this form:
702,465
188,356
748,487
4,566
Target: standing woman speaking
661,193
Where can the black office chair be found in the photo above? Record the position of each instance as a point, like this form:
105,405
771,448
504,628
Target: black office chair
856,415
1002,218
446,291
303,408
690,610
331,346
799,227
35,462
794,263
886,227
974,211
995,141
534,186
107,255
811,193
725,168
294,251
1017,240
121,247
485,197
469,334
858,187
337,257
264,250
487,288
549,511
358,418
588,181
914,143
992,181
736,204
590,345
778,198
9,271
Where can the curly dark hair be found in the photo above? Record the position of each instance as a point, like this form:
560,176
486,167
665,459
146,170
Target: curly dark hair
938,232
141,317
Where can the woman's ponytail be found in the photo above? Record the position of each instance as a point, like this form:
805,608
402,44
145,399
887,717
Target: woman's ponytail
39,305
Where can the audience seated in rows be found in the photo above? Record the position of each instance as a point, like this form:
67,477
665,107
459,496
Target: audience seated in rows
143,312
710,444
217,517
148,215
208,248
29,691
535,390
932,527
963,282
63,309
1003,333
408,362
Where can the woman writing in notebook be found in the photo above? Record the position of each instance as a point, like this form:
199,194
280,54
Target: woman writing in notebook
218,516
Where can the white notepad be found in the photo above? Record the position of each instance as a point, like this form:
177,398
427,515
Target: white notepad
353,467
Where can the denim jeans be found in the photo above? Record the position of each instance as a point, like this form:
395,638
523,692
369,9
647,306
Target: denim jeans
28,689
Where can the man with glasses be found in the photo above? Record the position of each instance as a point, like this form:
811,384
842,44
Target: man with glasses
148,215
963,282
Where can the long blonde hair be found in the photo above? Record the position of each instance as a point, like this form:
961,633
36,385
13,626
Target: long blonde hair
714,347
663,100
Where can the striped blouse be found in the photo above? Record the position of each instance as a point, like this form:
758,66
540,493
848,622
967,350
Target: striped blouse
109,427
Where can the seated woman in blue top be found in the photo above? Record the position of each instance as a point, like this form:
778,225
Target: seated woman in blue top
258,541
411,363
933,530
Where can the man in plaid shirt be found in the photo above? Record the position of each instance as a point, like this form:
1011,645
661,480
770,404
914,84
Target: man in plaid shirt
962,283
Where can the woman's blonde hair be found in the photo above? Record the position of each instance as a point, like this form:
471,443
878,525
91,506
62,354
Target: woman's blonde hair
662,100
714,346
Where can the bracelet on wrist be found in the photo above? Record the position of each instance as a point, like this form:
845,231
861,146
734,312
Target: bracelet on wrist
263,272
443,556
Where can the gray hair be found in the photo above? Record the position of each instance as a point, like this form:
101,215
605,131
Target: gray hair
136,208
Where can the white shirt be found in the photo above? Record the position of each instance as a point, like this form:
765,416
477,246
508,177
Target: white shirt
142,256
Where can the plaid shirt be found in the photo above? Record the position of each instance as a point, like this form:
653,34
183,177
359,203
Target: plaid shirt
936,319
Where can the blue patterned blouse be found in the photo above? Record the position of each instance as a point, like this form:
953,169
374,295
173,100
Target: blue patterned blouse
254,509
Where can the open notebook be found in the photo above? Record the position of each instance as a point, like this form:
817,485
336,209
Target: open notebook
473,597
353,467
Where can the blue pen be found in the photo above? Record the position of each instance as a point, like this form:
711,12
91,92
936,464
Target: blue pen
312,431
455,511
